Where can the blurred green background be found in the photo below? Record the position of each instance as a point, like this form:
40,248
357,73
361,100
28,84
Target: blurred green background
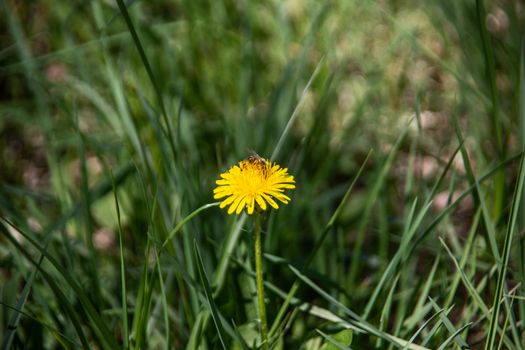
117,118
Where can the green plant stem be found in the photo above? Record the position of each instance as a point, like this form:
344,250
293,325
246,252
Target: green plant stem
260,285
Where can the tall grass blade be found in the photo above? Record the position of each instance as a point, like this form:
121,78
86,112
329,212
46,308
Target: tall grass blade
371,200
387,311
295,113
147,66
124,294
317,247
209,297
480,200
185,220
448,324
521,255
511,228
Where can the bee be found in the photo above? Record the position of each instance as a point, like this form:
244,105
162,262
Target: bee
254,158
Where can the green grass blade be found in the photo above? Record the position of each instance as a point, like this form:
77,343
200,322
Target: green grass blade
70,310
163,303
125,329
209,297
402,253
85,220
467,282
463,194
386,312
18,309
417,315
477,195
229,245
500,344
448,324
490,74
147,66
371,200
317,247
295,113
423,326
331,340
511,228
190,216
449,340
481,201
464,258
521,256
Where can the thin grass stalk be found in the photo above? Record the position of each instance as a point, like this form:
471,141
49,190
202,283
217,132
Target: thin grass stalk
147,66
521,251
511,227
125,329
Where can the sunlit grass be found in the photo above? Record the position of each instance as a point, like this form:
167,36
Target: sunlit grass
402,125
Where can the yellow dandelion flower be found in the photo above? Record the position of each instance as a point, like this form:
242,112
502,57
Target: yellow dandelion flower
254,182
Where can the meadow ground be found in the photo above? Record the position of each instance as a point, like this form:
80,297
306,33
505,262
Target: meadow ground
402,122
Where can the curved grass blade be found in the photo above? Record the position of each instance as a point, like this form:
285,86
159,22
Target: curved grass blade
463,194
149,71
453,336
316,249
177,228
420,329
209,296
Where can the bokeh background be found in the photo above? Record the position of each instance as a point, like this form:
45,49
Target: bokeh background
117,118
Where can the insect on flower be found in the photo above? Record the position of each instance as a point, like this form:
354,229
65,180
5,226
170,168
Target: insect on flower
253,184
257,159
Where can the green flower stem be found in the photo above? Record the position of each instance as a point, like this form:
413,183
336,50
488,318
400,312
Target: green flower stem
260,285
